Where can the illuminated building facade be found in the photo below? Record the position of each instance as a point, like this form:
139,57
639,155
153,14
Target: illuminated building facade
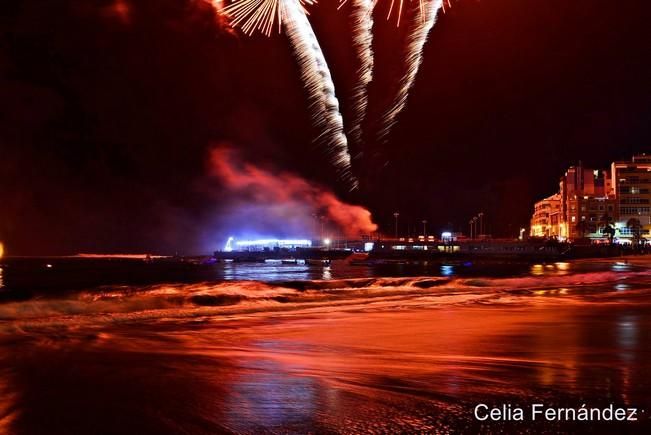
631,183
546,217
587,203
583,207
590,200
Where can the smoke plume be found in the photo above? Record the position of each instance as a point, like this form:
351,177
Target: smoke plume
262,200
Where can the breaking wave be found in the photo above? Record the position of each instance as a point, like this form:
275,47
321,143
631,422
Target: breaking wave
124,303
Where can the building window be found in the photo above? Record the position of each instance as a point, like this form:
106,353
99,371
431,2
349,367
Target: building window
635,200
628,211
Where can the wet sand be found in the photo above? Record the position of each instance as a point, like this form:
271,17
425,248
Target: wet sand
409,360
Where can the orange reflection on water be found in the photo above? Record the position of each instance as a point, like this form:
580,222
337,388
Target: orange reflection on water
391,358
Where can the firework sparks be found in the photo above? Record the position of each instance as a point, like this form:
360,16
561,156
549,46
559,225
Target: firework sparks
259,15
362,18
321,90
414,55
398,8
290,15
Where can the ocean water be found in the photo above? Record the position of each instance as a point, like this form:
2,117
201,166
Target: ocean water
294,348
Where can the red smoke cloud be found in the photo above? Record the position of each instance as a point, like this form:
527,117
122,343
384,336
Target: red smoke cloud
119,10
283,188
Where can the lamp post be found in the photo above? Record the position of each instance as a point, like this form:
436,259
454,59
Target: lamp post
395,216
424,228
481,223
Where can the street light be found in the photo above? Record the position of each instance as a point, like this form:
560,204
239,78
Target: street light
395,215
424,227
481,223
473,227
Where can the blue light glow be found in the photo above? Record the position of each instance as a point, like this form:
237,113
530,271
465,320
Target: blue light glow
278,242
259,244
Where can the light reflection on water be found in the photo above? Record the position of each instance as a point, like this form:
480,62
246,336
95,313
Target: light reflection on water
233,271
627,331
327,273
263,396
558,268
382,372
537,269
279,271
412,360
447,270
621,266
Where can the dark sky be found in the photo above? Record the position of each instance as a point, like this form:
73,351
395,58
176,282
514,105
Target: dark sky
108,115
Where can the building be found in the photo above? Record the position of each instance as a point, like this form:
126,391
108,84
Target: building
265,244
631,181
586,204
588,216
546,217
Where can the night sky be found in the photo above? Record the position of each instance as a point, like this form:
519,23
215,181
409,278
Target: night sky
109,110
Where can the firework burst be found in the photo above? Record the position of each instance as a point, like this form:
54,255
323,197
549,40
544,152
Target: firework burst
291,16
260,15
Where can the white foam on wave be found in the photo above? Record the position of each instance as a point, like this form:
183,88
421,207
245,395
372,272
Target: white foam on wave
125,303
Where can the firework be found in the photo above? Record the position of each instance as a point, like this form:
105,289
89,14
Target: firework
321,90
414,54
290,16
362,18
399,8
258,15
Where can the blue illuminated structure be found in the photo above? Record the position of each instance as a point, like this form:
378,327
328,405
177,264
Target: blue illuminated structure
266,244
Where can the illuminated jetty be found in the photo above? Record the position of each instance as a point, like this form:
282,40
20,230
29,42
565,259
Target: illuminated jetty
260,250
505,249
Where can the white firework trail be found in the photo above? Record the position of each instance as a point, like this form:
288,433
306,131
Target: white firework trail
362,27
318,82
423,24
290,15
